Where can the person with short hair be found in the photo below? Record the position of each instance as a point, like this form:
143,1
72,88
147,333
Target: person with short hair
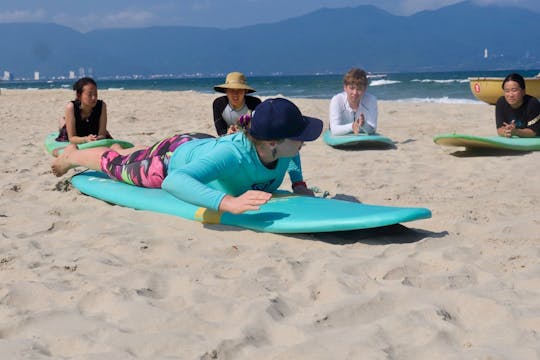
516,113
354,110
234,173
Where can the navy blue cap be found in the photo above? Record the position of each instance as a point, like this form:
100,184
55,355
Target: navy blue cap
276,119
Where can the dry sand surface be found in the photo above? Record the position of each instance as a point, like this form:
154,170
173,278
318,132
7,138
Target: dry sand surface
82,279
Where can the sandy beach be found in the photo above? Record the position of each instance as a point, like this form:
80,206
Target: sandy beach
82,279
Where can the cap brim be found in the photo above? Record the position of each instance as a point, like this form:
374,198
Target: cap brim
223,88
312,131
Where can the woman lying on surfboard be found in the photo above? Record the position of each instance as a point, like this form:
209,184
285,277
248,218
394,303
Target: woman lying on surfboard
233,173
517,114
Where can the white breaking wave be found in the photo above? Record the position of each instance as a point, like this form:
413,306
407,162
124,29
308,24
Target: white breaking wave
443,100
383,82
445,81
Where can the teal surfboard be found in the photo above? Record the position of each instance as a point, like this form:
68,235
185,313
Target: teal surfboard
284,213
51,144
488,142
352,140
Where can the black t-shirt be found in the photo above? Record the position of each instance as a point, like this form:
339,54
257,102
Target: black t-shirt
526,116
85,127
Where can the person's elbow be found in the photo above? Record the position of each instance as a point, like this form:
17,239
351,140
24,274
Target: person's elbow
338,131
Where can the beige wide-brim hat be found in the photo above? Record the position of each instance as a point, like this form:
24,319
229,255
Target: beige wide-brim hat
234,80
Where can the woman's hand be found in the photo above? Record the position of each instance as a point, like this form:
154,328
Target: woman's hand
232,129
250,200
91,138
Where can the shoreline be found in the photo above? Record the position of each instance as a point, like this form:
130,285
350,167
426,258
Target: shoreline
411,87
414,100
84,279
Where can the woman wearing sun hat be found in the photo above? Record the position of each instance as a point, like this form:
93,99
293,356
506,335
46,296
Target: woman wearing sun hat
233,173
228,109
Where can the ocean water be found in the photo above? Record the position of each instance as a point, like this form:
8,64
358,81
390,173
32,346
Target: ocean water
442,87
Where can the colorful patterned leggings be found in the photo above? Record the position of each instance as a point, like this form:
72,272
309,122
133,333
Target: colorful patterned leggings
146,167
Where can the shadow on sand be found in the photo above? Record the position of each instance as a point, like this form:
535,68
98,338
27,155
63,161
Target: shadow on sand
366,146
384,235
487,152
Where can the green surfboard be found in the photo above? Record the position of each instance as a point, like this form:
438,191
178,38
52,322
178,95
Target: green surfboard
353,140
51,144
488,142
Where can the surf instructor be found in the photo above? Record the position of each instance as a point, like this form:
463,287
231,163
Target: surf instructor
229,108
235,173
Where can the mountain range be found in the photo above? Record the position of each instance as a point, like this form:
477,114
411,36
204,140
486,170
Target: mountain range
462,36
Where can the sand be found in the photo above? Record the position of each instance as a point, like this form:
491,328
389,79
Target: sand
82,279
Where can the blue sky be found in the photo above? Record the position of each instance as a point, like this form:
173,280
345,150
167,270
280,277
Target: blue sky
96,14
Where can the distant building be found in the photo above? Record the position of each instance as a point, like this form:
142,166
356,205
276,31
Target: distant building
485,53
7,76
36,75
71,75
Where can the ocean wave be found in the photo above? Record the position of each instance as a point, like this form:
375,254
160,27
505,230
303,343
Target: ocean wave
115,89
441,81
442,100
383,82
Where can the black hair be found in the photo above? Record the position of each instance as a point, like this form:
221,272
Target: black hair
81,83
514,77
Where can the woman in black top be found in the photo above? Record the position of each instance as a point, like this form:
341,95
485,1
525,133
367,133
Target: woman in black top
228,109
517,114
85,117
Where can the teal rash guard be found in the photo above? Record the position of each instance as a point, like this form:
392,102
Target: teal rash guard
203,171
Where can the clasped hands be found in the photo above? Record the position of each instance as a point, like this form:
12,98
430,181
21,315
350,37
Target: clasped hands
357,124
93,137
507,129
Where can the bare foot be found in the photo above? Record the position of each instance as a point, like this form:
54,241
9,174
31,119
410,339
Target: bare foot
61,165
116,147
56,152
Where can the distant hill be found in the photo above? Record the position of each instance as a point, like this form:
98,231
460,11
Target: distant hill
324,41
